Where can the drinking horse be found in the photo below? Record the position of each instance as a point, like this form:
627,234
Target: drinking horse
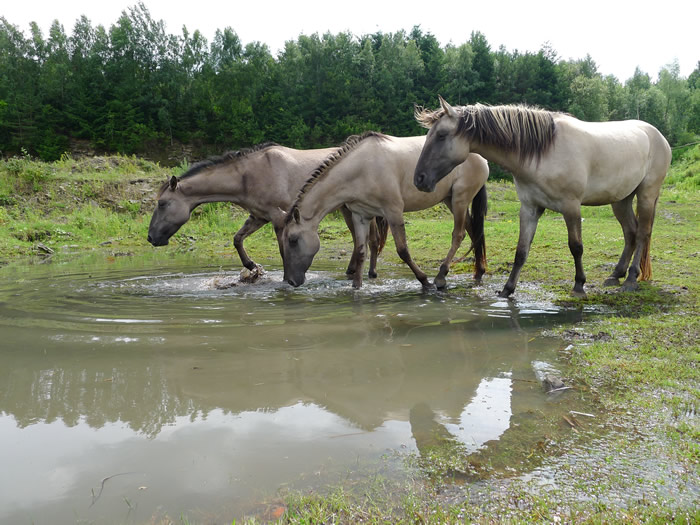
559,163
264,180
372,175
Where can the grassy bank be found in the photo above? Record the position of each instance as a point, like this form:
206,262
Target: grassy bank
639,360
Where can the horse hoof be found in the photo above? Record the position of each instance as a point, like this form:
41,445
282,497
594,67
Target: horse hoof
578,295
611,281
630,286
504,294
440,283
372,275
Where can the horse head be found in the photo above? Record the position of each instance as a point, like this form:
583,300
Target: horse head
444,148
300,243
172,211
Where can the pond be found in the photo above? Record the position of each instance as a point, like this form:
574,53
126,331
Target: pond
133,387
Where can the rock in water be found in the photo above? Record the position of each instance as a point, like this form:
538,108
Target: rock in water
552,382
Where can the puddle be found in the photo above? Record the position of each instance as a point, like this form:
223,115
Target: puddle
186,399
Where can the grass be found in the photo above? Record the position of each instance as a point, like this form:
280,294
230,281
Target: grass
644,373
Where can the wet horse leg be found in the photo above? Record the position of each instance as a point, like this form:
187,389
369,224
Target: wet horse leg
398,230
361,226
373,248
624,213
572,217
459,214
251,225
352,265
529,215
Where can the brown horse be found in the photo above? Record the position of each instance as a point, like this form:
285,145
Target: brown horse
264,180
558,163
373,176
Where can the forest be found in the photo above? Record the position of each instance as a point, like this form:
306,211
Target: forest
136,89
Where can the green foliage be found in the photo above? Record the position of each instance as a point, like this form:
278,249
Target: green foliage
685,171
133,87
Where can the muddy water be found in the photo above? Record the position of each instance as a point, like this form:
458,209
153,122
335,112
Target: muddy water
133,389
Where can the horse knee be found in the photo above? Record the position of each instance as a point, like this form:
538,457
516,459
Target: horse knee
520,257
576,248
403,253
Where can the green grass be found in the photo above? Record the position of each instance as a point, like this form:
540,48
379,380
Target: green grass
645,375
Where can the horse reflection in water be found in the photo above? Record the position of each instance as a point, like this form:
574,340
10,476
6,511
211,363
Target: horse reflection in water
372,175
558,163
264,180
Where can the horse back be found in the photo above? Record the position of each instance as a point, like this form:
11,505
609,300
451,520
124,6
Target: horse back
608,161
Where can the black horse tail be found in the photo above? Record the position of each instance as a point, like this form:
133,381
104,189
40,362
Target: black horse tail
478,216
382,233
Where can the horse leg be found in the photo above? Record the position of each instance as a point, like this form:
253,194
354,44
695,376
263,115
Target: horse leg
624,212
398,230
361,233
373,248
529,215
458,232
251,225
352,265
646,207
572,217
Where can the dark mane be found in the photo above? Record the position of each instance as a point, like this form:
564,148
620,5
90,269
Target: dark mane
212,162
521,129
222,159
334,158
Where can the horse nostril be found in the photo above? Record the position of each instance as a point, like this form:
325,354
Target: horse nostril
419,179
150,239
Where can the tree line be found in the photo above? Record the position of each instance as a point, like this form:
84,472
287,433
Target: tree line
134,87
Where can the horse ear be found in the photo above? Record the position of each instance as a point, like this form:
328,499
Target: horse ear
281,211
296,215
173,182
448,109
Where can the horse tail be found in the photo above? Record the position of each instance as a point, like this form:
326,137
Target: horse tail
478,216
382,233
645,260
645,263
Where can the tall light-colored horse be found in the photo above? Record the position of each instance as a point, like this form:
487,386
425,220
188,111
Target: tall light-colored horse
559,163
264,180
372,175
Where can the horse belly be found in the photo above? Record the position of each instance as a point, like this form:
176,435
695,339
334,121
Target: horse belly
610,187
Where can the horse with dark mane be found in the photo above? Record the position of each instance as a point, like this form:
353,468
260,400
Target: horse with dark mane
559,163
372,175
264,180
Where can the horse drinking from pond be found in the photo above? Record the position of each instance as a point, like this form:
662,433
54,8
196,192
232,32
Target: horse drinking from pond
264,180
372,175
559,163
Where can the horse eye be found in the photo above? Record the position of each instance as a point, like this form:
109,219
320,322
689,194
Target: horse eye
294,240
162,204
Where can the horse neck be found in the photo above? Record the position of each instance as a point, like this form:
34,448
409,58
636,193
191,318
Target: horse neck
218,184
507,159
326,194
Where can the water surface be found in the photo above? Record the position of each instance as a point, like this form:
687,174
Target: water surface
133,388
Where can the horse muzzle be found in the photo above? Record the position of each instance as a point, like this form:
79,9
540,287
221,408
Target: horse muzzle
157,242
421,181
295,282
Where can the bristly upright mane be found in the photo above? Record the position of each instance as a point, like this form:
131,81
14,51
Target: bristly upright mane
217,160
525,130
334,158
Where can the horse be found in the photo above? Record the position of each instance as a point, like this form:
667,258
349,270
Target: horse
264,180
559,163
372,174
